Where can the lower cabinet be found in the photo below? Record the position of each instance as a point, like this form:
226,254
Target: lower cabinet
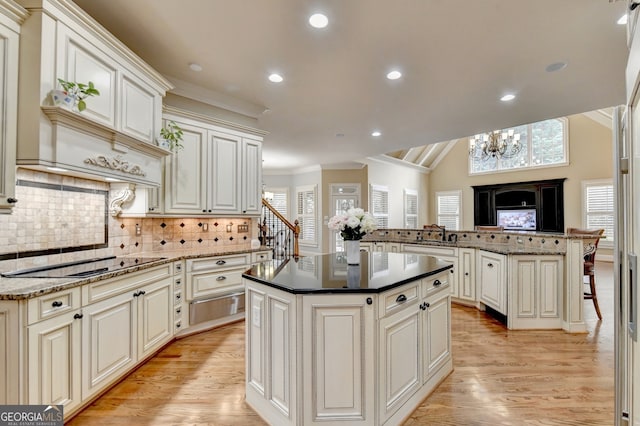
491,276
466,275
365,358
75,348
536,292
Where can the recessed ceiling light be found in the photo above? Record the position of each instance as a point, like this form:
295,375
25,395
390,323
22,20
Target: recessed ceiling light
376,133
623,19
195,67
556,66
508,97
276,78
318,20
394,75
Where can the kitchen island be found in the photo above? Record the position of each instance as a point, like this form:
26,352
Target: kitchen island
330,343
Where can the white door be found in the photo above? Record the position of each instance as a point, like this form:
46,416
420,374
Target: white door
343,198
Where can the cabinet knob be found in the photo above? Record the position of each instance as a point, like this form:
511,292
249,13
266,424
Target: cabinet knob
56,304
221,278
490,265
436,283
221,262
178,296
12,200
401,299
466,273
369,301
426,305
77,316
422,307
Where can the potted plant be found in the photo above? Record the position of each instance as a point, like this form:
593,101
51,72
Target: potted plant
73,94
171,135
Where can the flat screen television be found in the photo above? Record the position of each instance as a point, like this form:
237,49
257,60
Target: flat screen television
521,219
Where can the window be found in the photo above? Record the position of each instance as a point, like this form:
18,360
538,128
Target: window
543,144
410,209
598,208
380,205
279,200
448,205
306,214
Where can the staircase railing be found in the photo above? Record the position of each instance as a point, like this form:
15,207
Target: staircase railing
278,233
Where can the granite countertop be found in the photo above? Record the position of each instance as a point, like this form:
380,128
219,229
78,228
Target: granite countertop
329,273
26,288
492,247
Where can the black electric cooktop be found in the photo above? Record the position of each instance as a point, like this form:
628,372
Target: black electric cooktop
83,268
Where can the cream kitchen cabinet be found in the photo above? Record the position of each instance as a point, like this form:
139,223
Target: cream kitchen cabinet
10,367
372,246
491,276
11,17
448,254
436,323
219,171
115,135
535,291
466,275
212,276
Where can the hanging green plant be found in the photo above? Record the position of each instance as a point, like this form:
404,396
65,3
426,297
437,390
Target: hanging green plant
79,92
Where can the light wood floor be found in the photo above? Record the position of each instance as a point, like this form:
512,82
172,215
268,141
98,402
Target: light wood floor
500,377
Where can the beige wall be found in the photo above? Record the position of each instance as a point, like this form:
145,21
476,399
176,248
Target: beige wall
590,157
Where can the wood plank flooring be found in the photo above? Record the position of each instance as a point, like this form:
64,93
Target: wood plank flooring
500,377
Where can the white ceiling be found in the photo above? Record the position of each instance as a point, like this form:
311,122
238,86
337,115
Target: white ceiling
458,57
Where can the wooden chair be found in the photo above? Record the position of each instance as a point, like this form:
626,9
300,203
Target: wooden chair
589,251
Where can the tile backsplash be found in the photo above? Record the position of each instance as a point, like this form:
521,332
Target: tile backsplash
62,219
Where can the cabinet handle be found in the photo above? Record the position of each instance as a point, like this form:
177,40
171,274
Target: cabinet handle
401,299
178,325
77,316
451,270
179,268
426,305
178,296
178,282
179,310
490,265
221,262
56,304
466,273
204,210
436,283
12,200
221,278
369,301
142,292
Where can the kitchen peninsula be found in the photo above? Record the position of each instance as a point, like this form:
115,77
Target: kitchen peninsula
329,343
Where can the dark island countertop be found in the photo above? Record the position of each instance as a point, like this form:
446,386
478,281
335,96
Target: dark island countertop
329,273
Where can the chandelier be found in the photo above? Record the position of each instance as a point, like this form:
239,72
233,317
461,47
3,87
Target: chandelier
496,144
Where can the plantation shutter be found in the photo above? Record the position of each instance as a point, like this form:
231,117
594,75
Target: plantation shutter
410,209
380,205
306,213
448,207
599,212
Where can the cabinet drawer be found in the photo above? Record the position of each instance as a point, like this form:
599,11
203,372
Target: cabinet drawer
50,305
430,250
433,285
260,257
218,262
206,284
104,289
394,300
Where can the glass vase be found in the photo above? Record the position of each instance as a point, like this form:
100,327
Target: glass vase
352,247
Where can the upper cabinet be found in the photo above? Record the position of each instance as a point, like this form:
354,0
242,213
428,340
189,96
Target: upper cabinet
11,17
115,135
219,170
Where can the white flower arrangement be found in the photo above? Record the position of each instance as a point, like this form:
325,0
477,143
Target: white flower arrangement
354,224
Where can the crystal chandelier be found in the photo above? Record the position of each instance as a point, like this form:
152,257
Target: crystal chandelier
496,144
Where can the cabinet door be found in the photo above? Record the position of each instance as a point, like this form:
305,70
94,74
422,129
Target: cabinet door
186,173
466,274
137,109
9,352
251,177
224,167
108,341
54,361
338,378
155,316
400,367
436,336
492,274
8,116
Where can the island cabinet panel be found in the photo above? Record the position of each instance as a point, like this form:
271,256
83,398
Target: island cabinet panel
338,340
536,293
436,323
271,354
400,365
